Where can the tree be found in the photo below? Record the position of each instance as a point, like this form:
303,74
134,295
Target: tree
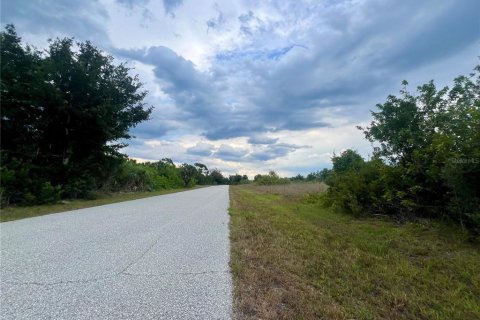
298,177
347,160
217,177
188,174
203,174
237,179
64,113
432,141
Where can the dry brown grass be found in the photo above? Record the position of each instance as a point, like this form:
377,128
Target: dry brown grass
292,191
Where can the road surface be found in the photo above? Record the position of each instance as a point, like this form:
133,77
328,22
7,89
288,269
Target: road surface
163,257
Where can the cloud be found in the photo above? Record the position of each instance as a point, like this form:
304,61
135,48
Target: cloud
83,20
201,149
229,153
257,54
257,82
445,30
170,6
292,87
246,20
274,151
178,76
217,22
133,3
261,139
154,128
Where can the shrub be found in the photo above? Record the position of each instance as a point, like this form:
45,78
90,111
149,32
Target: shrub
49,193
357,190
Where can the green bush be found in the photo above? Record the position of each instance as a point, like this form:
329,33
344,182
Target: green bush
49,193
357,190
427,163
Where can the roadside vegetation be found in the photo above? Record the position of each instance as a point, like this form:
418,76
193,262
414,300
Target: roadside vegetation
96,199
426,161
292,258
395,236
66,114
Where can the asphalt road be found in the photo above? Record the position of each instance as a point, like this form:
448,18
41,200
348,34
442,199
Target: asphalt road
164,257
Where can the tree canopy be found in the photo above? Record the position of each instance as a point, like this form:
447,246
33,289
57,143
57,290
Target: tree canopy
65,113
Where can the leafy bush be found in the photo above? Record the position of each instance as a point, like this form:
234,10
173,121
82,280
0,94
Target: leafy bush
357,186
49,193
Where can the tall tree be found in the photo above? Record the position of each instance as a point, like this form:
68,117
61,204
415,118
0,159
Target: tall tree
188,174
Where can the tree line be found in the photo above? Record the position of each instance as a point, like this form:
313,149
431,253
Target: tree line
66,112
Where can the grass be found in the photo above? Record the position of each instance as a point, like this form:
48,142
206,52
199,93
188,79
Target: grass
14,213
292,259
292,191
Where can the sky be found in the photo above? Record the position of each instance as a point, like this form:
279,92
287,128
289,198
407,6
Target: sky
251,86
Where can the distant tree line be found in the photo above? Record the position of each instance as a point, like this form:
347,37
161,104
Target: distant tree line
317,176
164,174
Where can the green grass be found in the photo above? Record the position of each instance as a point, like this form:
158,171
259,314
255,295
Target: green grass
14,213
295,260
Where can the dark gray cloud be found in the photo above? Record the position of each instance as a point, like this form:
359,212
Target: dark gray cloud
154,128
274,151
406,35
441,36
201,149
198,96
177,75
229,153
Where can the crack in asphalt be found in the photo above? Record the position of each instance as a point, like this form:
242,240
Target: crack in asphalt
175,273
131,263
163,274
122,272
141,255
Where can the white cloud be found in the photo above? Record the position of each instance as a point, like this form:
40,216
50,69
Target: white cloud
248,86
